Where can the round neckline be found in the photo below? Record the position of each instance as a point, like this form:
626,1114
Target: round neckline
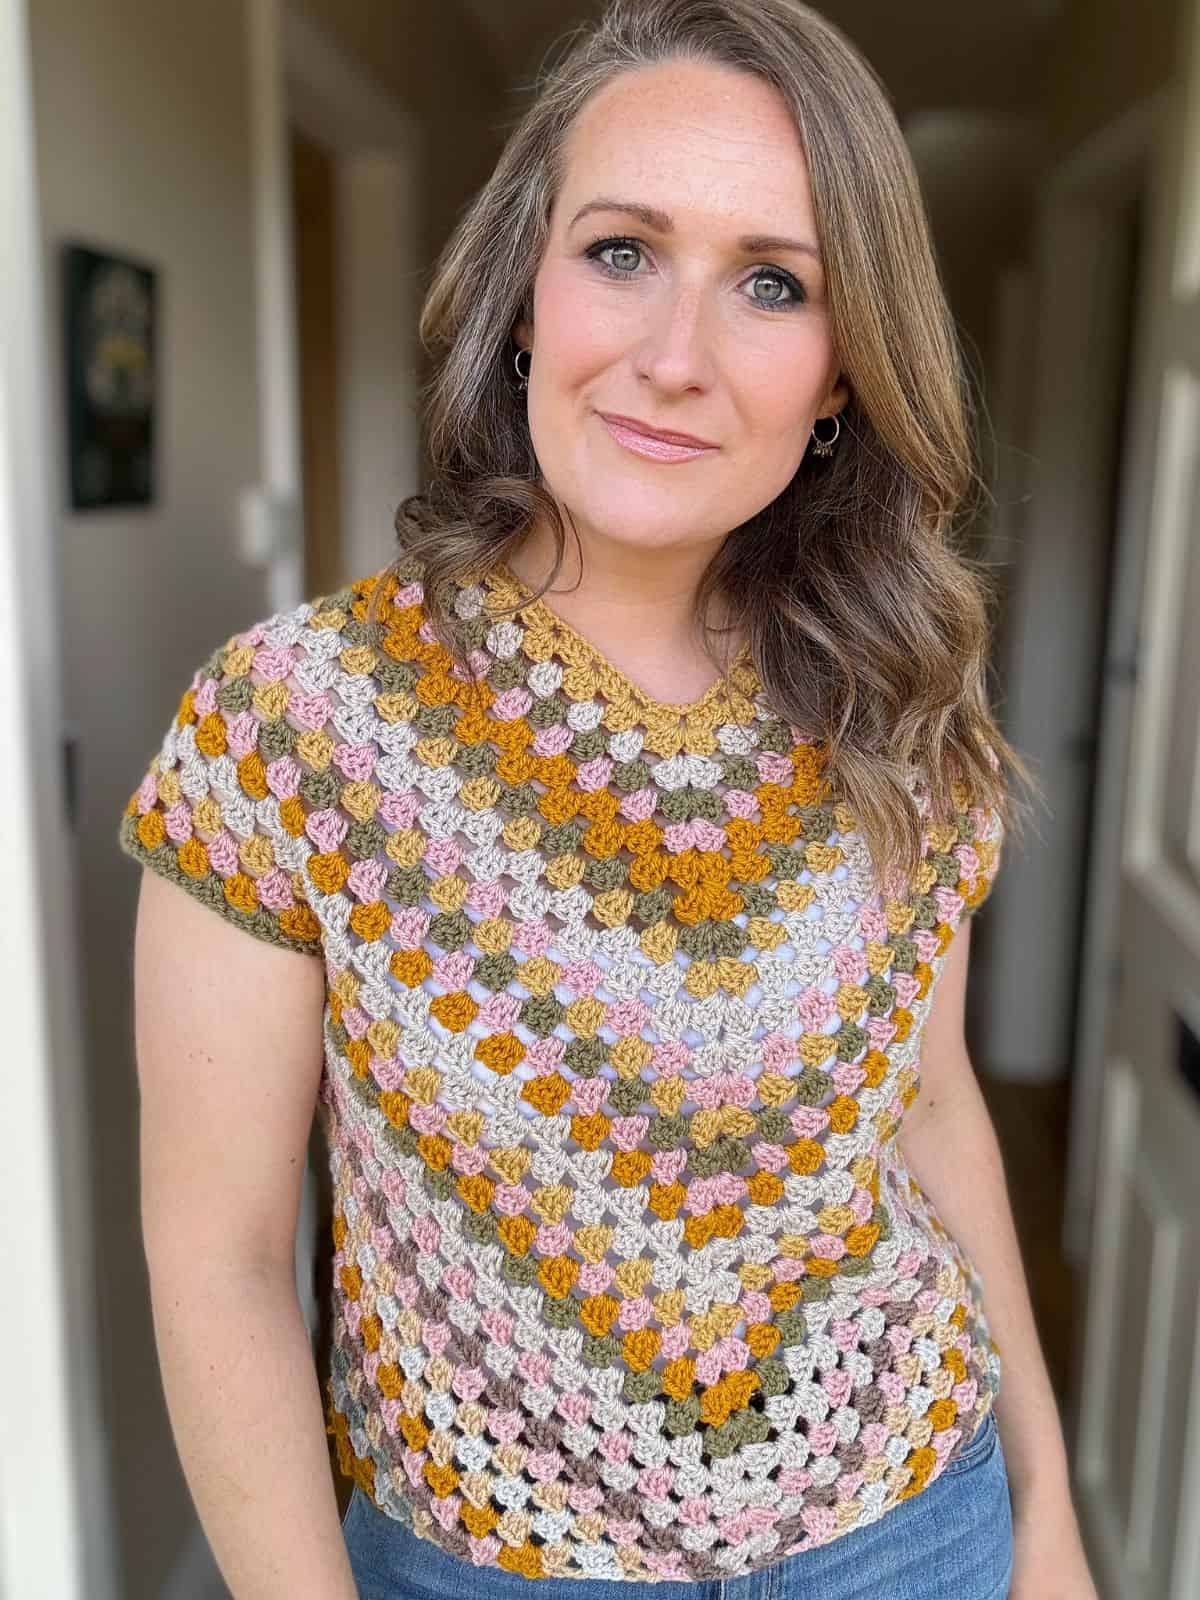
537,610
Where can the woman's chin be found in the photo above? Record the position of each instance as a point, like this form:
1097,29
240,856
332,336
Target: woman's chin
647,522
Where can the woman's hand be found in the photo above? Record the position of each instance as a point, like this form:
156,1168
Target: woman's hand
1049,1562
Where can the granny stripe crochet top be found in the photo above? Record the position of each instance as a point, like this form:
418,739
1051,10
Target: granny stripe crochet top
630,1278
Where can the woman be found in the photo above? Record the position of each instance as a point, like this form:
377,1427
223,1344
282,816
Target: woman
641,866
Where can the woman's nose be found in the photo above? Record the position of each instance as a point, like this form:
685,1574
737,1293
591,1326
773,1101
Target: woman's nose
675,352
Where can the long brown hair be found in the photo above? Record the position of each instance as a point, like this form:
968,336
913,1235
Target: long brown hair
866,625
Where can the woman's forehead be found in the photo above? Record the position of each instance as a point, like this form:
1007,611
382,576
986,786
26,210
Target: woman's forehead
689,139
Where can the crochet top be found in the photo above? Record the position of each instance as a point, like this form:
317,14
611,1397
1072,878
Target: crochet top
631,1280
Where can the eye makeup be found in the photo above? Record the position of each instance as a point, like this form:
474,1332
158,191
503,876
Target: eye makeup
764,272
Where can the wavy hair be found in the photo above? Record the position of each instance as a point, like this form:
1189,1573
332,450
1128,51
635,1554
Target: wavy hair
867,626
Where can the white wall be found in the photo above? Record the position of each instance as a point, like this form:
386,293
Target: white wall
142,127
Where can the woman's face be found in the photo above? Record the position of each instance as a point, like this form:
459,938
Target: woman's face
681,290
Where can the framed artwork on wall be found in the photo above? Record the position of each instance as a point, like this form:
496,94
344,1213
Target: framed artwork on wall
110,344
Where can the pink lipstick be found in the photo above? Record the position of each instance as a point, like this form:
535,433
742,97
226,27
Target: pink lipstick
656,444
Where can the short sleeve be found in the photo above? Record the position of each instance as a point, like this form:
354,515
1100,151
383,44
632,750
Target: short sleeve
961,849
981,839
981,836
219,810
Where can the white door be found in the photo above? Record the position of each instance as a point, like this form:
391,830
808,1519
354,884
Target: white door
1137,1456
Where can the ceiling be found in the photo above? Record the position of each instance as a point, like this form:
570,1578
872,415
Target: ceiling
980,55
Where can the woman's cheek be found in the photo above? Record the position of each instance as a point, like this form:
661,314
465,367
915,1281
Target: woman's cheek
574,326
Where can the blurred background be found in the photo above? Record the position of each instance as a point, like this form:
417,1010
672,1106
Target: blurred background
219,220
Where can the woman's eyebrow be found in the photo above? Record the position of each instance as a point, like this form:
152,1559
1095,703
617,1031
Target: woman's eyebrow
651,217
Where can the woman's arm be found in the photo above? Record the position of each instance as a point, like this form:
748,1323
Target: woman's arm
950,1146
229,1060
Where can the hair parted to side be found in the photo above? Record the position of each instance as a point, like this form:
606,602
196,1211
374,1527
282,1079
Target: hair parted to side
867,627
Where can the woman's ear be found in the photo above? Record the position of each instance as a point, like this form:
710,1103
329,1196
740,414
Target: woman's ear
836,399
523,334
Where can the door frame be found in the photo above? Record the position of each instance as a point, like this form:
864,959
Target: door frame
1122,1097
56,1525
1077,279
1083,200
299,74
376,148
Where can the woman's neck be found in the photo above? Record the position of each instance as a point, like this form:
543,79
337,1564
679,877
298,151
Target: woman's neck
637,605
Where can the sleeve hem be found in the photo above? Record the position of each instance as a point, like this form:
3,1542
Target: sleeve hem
210,892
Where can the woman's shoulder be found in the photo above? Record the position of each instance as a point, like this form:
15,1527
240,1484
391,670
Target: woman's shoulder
349,632
271,761
386,600
961,845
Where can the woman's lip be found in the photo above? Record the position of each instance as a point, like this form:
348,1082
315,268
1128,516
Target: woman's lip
636,436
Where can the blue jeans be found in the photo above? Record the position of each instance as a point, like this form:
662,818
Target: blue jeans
953,1541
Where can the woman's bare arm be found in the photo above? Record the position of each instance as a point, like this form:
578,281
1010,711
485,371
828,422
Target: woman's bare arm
228,1032
950,1146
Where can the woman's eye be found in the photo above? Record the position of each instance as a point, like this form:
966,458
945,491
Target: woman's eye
623,256
773,288
781,288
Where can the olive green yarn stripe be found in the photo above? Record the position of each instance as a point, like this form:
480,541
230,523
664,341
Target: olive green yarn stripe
209,892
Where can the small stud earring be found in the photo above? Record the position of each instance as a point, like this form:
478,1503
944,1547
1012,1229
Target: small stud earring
523,377
824,447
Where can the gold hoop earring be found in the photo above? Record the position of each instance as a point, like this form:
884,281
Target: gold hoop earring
824,447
